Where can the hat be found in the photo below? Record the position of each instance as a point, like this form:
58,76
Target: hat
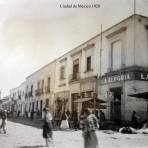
45,109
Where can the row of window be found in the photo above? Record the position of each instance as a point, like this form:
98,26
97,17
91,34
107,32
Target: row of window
29,93
75,68
116,53
115,60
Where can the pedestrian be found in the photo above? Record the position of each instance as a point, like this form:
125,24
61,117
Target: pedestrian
26,114
32,114
75,120
81,122
102,119
3,123
47,127
69,118
134,120
18,113
89,134
64,122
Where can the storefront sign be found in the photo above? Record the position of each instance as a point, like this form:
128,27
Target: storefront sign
116,78
143,76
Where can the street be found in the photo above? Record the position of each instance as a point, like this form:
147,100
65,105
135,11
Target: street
22,136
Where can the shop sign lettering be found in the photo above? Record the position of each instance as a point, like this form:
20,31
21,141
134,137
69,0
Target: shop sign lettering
116,78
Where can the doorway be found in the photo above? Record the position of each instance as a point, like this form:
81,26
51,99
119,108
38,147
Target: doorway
116,104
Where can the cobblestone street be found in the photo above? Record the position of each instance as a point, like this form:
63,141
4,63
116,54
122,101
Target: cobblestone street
22,136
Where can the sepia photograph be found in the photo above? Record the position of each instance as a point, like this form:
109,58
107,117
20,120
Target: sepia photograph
73,73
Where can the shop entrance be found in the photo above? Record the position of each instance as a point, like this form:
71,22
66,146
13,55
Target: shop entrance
116,104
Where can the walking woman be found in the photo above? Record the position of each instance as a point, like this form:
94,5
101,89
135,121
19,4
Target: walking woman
90,125
47,127
64,123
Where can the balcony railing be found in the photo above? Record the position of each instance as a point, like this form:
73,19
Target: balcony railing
74,77
47,89
37,92
30,94
41,91
19,97
26,95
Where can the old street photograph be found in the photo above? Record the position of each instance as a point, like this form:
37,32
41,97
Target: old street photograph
73,73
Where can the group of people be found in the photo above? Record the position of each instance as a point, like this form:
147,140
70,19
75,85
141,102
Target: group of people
72,121
88,123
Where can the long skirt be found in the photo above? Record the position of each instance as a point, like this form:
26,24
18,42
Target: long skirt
90,140
47,130
64,124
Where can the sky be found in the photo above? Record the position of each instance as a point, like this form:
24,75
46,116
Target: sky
35,32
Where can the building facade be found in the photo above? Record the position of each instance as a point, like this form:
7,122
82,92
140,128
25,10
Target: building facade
125,58
40,89
110,66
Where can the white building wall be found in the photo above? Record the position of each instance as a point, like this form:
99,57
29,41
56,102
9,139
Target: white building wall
141,41
43,74
135,54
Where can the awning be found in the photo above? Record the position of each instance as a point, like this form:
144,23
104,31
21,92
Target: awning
89,99
82,100
143,95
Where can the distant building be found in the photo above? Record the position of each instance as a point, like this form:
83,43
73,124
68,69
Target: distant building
5,103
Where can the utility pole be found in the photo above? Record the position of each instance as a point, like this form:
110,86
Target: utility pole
101,51
100,67
134,29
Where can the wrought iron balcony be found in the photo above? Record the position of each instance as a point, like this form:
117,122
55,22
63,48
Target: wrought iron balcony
41,91
47,89
30,94
37,93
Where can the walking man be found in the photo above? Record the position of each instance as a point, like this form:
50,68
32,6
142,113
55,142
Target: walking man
3,123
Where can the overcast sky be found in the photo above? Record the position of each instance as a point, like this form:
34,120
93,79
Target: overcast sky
34,32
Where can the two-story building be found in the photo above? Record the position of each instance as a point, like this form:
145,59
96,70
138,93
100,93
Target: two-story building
125,68
40,89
